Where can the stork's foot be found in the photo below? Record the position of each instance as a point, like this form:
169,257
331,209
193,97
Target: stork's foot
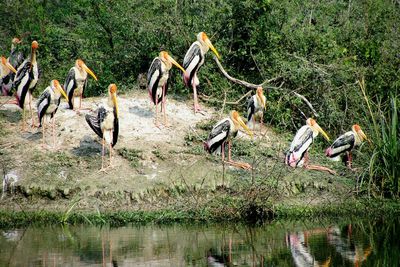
241,165
320,168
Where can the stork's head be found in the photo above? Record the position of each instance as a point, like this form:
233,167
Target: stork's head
165,57
357,130
260,97
203,38
15,40
238,121
6,64
35,45
316,128
56,86
112,90
82,66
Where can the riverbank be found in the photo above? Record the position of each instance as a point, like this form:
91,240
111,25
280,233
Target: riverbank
161,174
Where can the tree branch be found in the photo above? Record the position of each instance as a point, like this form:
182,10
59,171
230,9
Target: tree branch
263,84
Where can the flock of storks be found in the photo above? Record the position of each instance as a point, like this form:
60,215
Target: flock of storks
19,76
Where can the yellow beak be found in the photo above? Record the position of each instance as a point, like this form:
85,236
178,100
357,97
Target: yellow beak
244,126
8,65
62,91
209,44
175,63
114,99
89,71
364,136
324,134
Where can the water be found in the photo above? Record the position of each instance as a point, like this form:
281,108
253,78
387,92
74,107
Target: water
364,243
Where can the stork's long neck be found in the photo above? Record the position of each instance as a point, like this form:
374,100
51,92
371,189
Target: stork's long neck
358,140
110,101
204,47
33,56
13,47
168,64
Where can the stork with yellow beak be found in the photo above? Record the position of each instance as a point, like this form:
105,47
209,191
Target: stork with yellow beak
105,123
16,55
345,143
76,83
223,132
25,82
192,62
157,81
297,156
255,107
5,76
47,107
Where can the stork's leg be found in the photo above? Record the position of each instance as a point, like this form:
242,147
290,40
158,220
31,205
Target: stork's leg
315,167
195,98
102,154
156,118
164,105
23,120
30,107
242,165
110,149
43,133
54,132
223,151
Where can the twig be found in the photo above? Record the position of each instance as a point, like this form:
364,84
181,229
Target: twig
307,102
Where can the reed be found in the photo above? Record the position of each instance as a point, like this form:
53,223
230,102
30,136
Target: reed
383,172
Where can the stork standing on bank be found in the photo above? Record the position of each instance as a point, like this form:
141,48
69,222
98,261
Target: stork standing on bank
105,123
345,143
157,81
5,76
47,106
255,108
192,62
25,82
297,156
223,132
76,83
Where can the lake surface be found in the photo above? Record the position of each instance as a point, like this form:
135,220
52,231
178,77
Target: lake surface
298,243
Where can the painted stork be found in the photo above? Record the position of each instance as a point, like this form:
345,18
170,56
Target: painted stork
297,156
5,76
192,62
157,81
224,131
47,106
345,143
76,83
255,107
25,82
105,123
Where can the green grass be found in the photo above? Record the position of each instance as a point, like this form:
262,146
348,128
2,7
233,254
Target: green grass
383,173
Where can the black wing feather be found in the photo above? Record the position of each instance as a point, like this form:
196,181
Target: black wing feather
18,79
250,108
70,77
222,127
116,128
194,51
95,120
156,65
43,97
